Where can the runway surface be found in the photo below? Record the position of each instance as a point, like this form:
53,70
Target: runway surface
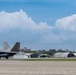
17,67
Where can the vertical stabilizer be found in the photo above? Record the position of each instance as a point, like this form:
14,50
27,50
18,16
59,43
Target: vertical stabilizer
16,47
6,46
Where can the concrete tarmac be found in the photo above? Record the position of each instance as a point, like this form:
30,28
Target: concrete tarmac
17,67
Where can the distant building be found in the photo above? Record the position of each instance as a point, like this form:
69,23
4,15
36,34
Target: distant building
28,55
22,55
25,49
44,56
34,55
74,54
63,55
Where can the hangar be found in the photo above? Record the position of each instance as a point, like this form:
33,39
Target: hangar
22,55
63,55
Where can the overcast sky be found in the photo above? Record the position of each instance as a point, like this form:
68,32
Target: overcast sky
39,24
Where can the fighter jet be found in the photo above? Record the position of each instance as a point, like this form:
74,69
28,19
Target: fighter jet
6,54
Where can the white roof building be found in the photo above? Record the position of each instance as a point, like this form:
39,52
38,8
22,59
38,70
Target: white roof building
63,55
22,55
74,54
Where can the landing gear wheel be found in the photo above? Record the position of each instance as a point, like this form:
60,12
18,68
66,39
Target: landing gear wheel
0,57
6,57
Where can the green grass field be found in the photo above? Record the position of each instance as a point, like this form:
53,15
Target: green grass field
50,59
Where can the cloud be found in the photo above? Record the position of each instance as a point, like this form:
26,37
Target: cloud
20,20
18,26
67,23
